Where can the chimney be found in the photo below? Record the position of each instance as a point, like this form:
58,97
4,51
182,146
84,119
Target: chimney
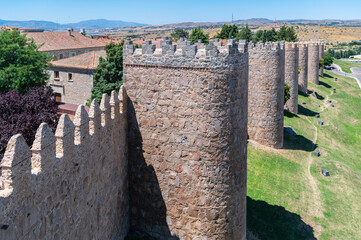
69,31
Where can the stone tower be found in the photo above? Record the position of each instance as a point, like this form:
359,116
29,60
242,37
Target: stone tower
187,139
313,62
303,64
266,93
321,54
291,75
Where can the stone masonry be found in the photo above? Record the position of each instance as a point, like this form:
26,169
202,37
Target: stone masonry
71,185
188,139
291,76
266,93
303,64
313,62
321,54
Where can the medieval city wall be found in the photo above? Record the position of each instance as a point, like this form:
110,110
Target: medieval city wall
71,185
321,54
188,139
303,64
266,93
291,76
313,62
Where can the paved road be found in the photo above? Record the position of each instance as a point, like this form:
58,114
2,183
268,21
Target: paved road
356,73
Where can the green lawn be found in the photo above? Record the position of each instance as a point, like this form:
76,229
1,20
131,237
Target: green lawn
288,197
346,66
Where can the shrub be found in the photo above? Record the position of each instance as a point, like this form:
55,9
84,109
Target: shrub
24,113
287,92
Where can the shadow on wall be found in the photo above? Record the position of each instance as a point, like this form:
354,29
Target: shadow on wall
147,207
265,221
305,111
298,142
324,84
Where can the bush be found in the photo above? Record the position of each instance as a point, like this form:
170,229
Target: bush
24,113
287,92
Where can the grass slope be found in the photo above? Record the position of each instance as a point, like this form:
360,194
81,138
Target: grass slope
288,197
346,66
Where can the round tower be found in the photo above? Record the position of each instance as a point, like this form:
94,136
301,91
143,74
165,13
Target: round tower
266,93
321,54
291,75
187,139
313,62
303,67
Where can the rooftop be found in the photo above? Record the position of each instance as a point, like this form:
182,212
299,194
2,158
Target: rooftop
87,61
63,40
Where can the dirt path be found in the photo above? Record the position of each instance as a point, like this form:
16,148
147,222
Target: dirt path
316,207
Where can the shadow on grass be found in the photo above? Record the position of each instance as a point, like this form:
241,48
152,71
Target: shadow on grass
324,84
302,93
298,142
327,75
274,222
305,111
290,115
318,96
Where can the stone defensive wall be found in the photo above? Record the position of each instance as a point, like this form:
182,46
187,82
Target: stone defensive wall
313,62
188,138
71,184
291,75
321,54
266,93
303,64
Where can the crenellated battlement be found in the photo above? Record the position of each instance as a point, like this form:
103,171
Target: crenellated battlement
185,54
291,46
79,160
260,46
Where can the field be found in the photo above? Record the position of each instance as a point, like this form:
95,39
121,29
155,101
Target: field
346,66
288,197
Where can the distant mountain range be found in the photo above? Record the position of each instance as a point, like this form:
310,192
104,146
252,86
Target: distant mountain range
89,24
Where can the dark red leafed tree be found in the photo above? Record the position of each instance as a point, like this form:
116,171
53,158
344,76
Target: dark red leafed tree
24,113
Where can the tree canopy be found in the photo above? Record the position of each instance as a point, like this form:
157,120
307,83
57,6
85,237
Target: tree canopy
109,73
327,60
179,33
198,34
245,33
22,66
23,113
228,32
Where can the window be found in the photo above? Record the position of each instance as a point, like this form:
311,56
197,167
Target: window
57,97
56,75
61,56
70,77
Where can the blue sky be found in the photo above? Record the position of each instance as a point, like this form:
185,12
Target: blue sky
175,11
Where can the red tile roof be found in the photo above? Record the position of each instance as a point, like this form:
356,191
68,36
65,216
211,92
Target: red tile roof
62,40
88,61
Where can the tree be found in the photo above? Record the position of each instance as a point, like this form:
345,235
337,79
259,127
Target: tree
23,113
109,73
22,66
287,92
245,34
179,33
321,63
258,36
198,34
337,55
328,60
228,32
